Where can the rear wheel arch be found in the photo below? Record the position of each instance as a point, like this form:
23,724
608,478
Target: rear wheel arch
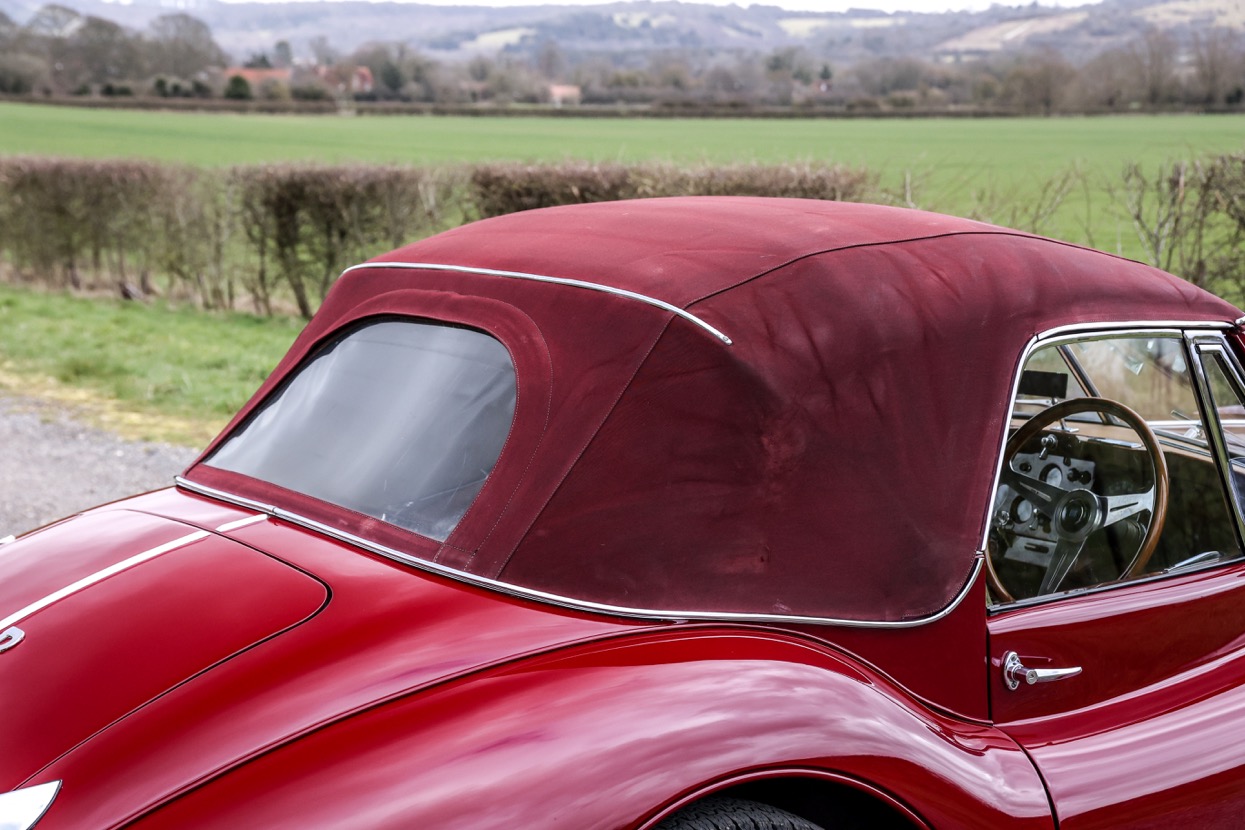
833,802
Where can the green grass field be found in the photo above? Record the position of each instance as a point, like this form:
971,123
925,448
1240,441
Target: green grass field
147,371
967,147
178,374
985,168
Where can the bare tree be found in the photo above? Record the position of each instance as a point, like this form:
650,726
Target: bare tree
1038,83
1108,81
102,52
1216,58
182,46
1154,59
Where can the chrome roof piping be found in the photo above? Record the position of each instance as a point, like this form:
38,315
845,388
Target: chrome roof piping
519,275
567,602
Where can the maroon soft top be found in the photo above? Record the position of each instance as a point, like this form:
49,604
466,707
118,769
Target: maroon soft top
834,461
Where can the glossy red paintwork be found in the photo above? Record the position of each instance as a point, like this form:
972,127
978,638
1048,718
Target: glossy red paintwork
1151,728
152,627
633,715
595,736
242,670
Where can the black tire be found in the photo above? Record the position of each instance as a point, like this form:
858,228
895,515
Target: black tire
734,814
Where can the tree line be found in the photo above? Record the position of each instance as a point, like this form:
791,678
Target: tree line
59,52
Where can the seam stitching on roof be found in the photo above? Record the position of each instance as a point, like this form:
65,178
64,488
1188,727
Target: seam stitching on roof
544,433
583,449
857,246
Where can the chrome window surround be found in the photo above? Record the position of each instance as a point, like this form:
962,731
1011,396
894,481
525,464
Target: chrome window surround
275,512
1181,330
1203,346
519,275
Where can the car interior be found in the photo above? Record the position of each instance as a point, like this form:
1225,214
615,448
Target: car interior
1110,472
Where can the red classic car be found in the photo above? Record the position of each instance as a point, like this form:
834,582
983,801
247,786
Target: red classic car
682,513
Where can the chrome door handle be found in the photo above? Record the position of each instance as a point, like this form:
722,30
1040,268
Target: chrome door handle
11,637
1015,672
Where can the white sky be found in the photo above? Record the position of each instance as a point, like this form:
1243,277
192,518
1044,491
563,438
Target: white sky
793,5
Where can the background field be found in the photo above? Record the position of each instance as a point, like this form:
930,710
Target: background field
177,374
986,168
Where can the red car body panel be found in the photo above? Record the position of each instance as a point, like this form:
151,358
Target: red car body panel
569,740
695,568
152,627
396,653
1155,727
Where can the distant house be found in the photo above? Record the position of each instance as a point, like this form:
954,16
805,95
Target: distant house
565,94
346,78
259,77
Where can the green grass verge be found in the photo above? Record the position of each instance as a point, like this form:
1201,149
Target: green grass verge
146,371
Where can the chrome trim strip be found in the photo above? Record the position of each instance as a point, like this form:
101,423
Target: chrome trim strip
566,602
100,576
7,539
1124,327
1002,450
1203,349
249,520
1238,322
21,809
591,286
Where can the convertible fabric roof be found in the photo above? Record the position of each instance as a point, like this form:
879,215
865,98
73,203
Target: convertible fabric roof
836,461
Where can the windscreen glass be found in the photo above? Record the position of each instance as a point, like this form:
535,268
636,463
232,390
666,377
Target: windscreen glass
399,420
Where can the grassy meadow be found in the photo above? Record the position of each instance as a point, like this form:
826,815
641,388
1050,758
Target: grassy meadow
180,373
988,168
146,371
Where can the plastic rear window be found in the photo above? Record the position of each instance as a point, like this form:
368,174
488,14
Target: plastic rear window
400,420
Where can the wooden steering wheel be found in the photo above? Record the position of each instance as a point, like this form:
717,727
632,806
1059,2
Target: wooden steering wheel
1074,511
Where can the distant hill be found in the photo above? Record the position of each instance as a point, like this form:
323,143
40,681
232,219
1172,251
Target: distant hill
637,29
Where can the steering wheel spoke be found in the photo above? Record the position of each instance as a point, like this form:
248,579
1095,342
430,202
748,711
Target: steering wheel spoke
1118,508
1042,495
1061,563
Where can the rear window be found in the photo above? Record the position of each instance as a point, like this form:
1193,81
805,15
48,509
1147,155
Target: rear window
400,420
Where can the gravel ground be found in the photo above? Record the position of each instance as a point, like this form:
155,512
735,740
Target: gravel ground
52,465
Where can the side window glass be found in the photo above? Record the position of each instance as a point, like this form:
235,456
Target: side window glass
1113,478
1229,406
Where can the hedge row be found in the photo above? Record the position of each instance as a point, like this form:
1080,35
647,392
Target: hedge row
507,188
276,236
